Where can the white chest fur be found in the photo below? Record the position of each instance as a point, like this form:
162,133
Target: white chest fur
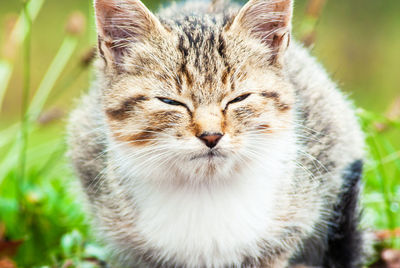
211,227
214,225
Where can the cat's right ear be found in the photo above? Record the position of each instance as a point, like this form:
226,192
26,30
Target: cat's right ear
269,21
121,23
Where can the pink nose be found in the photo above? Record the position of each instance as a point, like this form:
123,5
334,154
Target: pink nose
210,139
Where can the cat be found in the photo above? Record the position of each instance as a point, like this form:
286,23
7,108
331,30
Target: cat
211,138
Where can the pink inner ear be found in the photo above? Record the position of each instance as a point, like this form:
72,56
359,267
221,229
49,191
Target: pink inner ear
105,9
120,23
123,20
267,18
113,21
268,21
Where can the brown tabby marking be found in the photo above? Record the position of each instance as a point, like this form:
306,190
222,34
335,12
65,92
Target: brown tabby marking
143,138
281,106
123,112
184,72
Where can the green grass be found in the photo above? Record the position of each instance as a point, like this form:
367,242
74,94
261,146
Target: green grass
382,175
37,205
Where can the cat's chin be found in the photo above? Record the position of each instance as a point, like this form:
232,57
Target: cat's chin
206,167
211,155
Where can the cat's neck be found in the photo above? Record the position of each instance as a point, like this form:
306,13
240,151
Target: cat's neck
232,217
185,221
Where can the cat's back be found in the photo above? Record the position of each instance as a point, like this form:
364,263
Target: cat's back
86,139
332,154
326,117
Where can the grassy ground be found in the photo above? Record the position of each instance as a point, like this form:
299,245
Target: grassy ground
41,219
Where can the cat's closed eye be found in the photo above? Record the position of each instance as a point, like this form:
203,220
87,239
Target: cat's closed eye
238,99
171,102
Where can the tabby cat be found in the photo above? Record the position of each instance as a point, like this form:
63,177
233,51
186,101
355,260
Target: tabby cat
210,138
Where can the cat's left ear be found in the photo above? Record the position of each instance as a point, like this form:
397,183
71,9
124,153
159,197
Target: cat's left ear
121,23
269,21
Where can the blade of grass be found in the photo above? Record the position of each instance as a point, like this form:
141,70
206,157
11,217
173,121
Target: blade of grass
64,54
55,157
18,35
81,67
393,157
53,73
308,25
392,151
394,201
25,99
8,135
5,75
382,178
12,156
56,67
8,162
20,31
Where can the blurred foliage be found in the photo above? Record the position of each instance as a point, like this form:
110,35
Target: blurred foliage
357,40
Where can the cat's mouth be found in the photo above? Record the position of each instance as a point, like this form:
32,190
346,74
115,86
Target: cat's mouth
211,154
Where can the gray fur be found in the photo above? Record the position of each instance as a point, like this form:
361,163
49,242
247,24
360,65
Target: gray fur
332,141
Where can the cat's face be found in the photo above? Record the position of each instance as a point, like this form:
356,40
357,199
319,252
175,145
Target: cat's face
199,97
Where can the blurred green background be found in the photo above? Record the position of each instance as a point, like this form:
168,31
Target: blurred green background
358,41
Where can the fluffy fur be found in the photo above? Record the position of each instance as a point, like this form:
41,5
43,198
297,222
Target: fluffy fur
283,179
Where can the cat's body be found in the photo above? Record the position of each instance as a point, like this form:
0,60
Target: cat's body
265,177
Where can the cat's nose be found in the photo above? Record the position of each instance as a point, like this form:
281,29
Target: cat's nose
210,139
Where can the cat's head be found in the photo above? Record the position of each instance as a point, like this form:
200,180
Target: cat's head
196,96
